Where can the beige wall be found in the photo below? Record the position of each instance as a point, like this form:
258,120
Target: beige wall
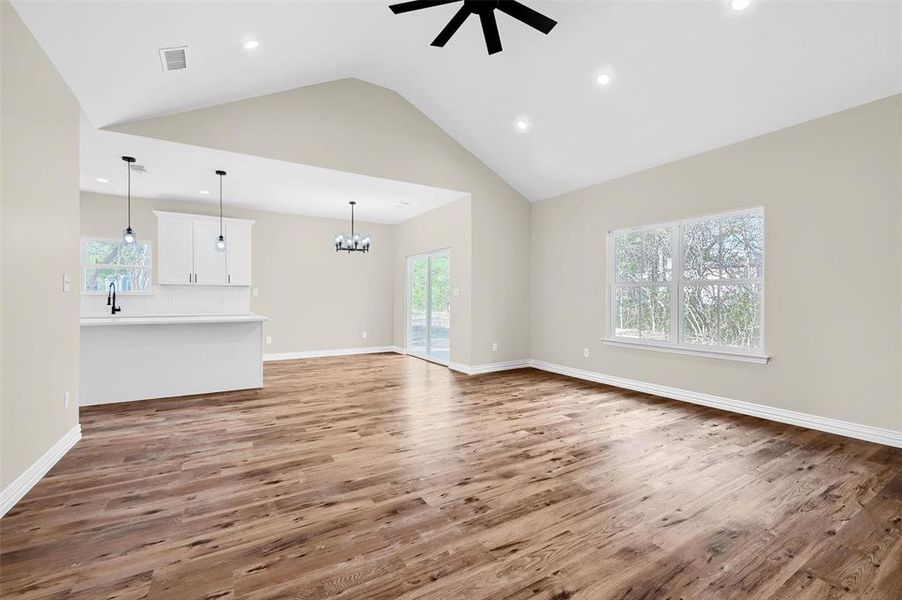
447,227
355,126
832,191
501,231
39,180
315,298
318,299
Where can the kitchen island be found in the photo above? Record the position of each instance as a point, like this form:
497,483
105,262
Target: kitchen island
160,356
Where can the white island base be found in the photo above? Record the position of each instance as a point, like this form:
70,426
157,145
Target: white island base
138,358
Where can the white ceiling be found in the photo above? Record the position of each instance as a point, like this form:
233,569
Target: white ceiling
180,172
687,76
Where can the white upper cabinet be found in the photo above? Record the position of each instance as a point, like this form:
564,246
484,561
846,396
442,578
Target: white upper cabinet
238,252
187,254
175,251
209,263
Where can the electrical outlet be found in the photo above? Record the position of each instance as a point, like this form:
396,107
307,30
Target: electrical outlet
494,346
65,399
364,335
255,292
585,353
269,339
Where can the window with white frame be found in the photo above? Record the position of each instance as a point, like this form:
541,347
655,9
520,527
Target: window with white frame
106,261
694,284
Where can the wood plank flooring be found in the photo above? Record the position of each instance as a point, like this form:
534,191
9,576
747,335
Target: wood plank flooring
384,477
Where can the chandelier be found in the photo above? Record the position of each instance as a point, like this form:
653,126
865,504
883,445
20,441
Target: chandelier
354,242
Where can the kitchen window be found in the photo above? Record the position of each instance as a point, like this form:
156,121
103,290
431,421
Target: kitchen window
694,286
106,261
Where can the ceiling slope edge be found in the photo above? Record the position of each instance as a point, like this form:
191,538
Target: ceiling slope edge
348,124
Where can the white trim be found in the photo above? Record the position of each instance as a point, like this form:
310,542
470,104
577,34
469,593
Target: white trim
459,367
118,293
678,282
84,267
324,353
718,353
868,433
407,322
488,368
20,486
194,217
427,358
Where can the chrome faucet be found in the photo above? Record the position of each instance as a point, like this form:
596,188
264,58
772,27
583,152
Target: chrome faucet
111,298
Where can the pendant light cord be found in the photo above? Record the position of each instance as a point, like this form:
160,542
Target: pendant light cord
352,220
128,167
220,206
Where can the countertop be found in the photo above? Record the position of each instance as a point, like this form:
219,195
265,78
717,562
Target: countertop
170,319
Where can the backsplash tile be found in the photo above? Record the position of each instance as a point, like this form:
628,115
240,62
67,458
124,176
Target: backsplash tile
174,300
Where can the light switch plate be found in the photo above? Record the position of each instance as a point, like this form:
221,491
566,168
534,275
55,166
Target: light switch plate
254,292
269,339
67,283
457,291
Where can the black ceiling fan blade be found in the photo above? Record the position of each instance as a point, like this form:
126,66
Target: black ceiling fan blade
451,28
490,31
523,13
403,7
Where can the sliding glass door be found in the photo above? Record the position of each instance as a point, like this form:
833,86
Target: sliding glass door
418,315
429,306
440,307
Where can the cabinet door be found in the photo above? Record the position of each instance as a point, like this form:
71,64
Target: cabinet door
209,263
238,253
175,251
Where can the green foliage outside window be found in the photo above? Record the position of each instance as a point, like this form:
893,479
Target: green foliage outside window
720,282
111,261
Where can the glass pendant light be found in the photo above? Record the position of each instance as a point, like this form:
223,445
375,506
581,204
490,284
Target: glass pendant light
220,241
128,234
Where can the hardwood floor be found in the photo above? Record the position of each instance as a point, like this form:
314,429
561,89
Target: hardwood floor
385,477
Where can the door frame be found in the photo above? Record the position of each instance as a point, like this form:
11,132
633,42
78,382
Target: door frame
407,343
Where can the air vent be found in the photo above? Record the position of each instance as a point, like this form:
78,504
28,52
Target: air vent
174,59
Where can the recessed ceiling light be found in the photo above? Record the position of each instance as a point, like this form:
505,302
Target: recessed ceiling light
251,44
204,192
740,4
102,180
604,79
522,124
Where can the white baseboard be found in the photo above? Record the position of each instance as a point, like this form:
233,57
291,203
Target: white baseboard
24,482
325,353
454,366
489,368
868,433
17,489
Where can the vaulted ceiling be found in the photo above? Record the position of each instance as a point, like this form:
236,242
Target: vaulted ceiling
176,171
685,76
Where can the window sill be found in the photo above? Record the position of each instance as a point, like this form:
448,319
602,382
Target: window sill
118,293
760,359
